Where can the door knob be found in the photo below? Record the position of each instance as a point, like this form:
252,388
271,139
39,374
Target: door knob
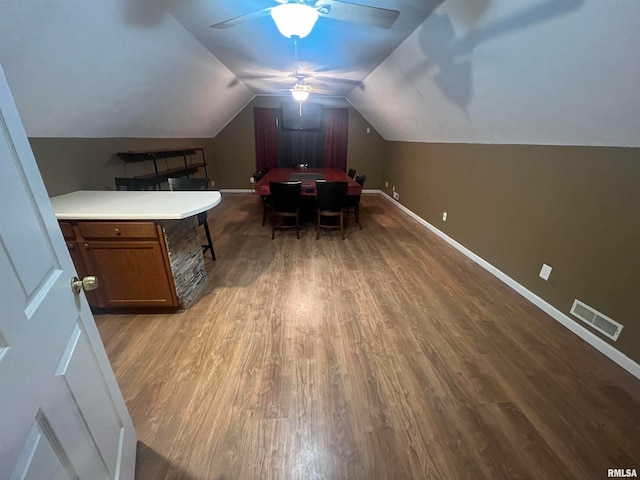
86,284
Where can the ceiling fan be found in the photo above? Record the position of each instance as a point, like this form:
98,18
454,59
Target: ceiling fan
300,90
297,17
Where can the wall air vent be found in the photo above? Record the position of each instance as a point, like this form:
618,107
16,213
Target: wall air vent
597,320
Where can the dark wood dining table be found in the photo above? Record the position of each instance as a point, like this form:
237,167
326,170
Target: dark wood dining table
308,176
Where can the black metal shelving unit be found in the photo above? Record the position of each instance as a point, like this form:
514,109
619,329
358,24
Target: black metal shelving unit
189,167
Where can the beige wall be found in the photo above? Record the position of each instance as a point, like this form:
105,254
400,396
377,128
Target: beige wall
574,208
236,155
69,164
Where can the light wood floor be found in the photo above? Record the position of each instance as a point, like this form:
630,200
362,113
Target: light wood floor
388,355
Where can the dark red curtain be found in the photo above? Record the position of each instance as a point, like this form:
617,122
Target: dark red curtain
266,133
336,134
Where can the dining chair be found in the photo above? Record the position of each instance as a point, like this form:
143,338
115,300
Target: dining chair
257,176
194,184
266,199
352,173
330,204
136,183
285,204
352,202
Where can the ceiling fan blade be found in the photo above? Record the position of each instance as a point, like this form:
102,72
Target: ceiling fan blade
242,18
329,79
258,76
324,78
354,13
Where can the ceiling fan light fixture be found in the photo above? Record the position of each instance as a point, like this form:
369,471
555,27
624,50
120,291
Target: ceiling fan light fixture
294,19
300,91
299,95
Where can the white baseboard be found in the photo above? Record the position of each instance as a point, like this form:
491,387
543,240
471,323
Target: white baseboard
249,190
603,347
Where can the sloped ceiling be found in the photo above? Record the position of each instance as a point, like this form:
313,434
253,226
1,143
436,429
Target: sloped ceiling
486,71
81,68
337,55
557,72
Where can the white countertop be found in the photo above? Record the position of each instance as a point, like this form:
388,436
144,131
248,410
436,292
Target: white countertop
128,205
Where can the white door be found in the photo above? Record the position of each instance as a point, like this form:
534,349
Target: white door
61,412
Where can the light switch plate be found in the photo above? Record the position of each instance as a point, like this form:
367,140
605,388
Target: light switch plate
545,271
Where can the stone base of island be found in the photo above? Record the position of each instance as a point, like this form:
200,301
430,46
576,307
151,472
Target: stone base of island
142,246
185,258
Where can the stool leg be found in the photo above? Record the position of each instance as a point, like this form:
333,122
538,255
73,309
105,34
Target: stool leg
264,211
210,244
273,226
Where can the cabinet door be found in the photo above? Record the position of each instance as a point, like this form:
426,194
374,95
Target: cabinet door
132,273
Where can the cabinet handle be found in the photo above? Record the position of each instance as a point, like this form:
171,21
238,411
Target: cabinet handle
71,246
85,245
116,231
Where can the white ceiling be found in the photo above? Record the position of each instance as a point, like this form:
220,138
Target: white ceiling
557,72
486,71
83,68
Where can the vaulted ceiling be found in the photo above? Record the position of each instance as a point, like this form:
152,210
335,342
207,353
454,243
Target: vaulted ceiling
486,71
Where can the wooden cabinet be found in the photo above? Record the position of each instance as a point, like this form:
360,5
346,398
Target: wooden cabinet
118,230
129,258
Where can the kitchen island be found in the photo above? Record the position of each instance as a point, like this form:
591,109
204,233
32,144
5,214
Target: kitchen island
142,246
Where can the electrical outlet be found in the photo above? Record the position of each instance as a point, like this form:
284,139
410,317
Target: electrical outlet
252,180
545,271
444,216
386,184
396,195
368,130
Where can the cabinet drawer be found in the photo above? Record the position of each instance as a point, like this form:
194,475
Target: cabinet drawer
113,230
67,230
